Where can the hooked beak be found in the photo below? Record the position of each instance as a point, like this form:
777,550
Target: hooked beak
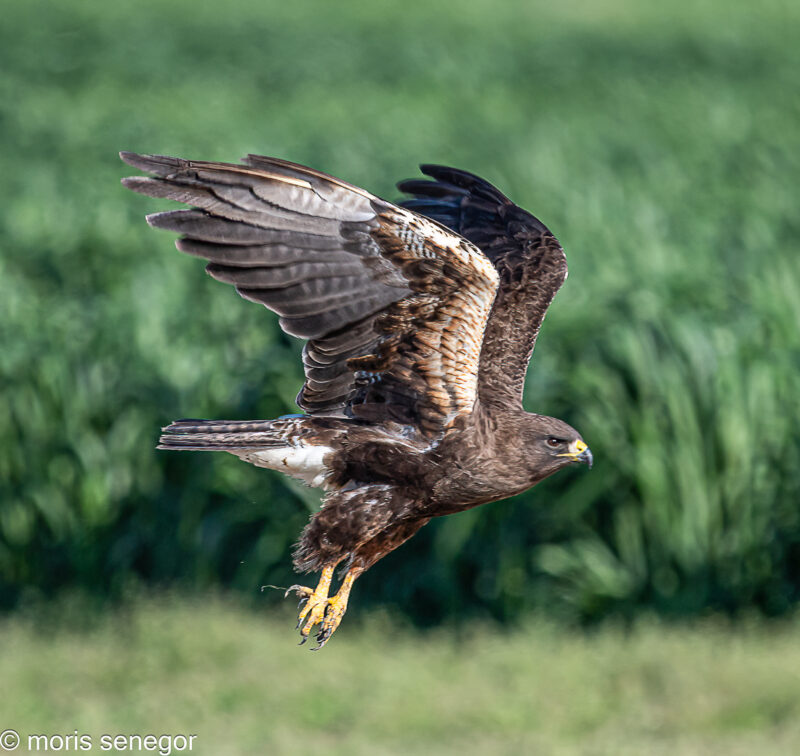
579,452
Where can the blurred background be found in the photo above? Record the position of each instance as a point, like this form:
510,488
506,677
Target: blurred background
647,606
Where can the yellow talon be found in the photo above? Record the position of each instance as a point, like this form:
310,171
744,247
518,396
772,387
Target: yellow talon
316,602
319,609
337,606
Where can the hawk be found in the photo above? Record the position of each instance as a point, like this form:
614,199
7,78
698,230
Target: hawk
419,320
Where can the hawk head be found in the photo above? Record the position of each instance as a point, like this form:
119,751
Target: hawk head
551,444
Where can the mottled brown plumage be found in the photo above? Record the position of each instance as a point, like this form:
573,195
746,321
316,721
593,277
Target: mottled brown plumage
420,321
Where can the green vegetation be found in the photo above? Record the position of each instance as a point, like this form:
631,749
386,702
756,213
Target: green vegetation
660,142
235,679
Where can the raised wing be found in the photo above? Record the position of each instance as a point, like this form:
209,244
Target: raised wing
393,305
528,258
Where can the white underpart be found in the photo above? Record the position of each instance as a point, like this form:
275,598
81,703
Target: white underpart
303,462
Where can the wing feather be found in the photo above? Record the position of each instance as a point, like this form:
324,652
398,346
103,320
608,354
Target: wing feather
529,260
393,305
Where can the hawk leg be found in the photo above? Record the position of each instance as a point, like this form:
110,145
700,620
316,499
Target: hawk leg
327,612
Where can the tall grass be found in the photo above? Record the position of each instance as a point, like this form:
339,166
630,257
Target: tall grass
659,143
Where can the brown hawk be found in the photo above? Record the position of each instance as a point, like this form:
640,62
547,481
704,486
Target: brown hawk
419,320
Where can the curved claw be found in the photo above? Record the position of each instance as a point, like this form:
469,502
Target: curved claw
313,603
312,613
305,594
337,606
316,608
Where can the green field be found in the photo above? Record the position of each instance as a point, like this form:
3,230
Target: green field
661,144
236,679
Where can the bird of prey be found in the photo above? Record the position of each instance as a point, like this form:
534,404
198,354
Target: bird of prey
419,319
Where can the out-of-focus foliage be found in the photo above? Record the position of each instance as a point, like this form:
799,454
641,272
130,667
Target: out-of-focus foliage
659,142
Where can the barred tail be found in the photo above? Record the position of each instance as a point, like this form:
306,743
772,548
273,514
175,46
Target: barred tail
226,435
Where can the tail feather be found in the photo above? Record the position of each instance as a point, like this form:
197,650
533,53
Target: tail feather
192,425
225,435
294,444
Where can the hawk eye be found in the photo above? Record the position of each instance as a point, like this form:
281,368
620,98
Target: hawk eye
553,442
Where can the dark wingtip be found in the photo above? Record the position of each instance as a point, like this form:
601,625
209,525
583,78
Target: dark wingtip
429,168
132,158
155,219
462,179
448,173
457,176
427,188
137,184
159,165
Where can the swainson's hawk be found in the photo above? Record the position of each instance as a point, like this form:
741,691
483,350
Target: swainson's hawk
419,321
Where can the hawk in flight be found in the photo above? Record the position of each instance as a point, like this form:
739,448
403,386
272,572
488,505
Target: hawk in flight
419,320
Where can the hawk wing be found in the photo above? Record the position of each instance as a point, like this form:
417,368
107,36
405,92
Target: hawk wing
528,259
393,305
